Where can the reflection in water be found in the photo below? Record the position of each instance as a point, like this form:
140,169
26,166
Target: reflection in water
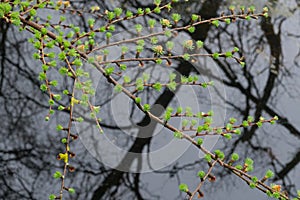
266,86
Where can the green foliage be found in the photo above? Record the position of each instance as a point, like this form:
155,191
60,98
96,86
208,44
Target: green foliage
170,45
188,111
151,23
254,179
168,114
110,16
64,140
227,21
157,10
172,85
199,129
57,175
138,28
215,56
215,23
199,141
71,190
118,12
235,156
249,161
157,86
139,84
179,110
52,197
220,154
129,14
109,70
245,123
5,8
252,185
118,88
239,167
184,122
127,79
183,187
228,136
236,49
269,174
259,124
176,17
194,17
237,131
157,2
140,11
68,47
59,127
201,174
186,56
178,135
191,29
207,157
199,44
138,99
146,107
228,54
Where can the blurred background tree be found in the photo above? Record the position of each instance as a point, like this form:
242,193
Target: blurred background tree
267,85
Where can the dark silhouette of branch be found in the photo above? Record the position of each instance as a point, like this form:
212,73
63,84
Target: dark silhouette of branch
209,9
